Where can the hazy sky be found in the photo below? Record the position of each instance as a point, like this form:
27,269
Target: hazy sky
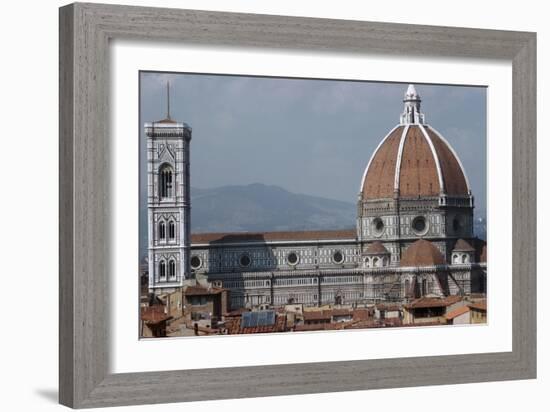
308,136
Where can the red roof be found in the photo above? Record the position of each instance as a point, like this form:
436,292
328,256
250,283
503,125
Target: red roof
234,326
418,166
462,246
376,248
427,302
457,312
272,236
422,253
361,314
154,314
482,306
317,314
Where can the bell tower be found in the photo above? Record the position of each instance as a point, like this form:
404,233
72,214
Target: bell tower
168,202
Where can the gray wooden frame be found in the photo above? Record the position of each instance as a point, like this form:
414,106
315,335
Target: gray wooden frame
85,31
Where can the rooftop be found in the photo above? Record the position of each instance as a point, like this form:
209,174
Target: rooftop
457,312
422,253
308,235
429,302
201,291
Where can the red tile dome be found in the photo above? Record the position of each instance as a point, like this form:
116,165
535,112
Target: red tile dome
422,253
413,160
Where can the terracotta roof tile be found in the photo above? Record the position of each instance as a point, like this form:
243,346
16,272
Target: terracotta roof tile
427,302
418,169
422,253
376,248
462,246
272,236
482,305
457,312
361,314
453,178
418,174
154,314
380,176
317,315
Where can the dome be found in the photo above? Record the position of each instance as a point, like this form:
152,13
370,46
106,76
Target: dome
462,246
376,248
414,160
422,253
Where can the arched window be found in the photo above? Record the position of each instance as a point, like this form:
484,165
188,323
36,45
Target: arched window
162,231
162,269
171,268
171,230
464,258
165,182
375,263
424,287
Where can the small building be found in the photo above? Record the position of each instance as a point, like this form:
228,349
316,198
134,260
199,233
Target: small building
173,302
478,312
471,313
459,316
341,315
387,311
430,310
205,305
153,320
317,317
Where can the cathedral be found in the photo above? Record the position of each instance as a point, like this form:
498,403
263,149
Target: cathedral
413,237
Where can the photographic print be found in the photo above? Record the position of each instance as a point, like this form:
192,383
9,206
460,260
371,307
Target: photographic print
272,205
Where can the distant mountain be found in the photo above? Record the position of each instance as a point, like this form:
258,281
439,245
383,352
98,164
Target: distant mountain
259,207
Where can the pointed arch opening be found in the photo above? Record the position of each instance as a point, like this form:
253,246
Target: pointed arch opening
172,269
166,177
171,230
162,269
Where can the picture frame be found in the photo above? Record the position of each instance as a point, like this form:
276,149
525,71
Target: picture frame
84,358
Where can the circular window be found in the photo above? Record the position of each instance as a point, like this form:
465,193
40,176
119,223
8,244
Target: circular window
419,225
338,257
244,260
196,262
292,258
378,226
